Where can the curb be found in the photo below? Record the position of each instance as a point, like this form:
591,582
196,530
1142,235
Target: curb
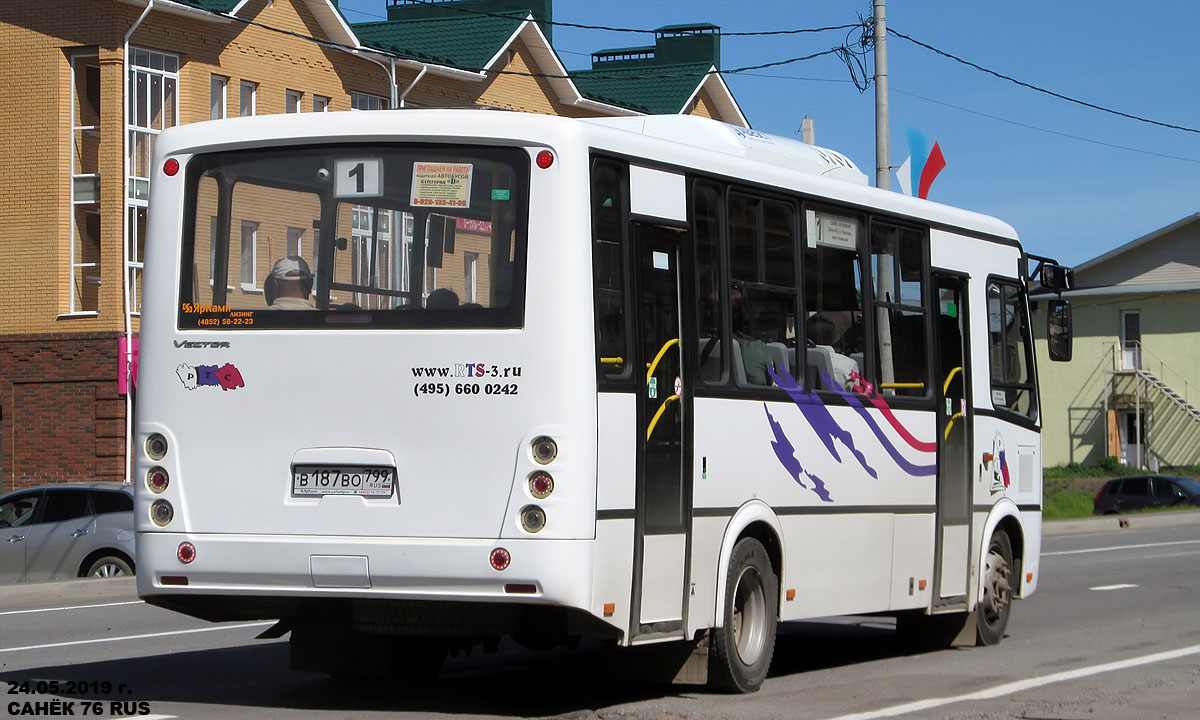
1119,523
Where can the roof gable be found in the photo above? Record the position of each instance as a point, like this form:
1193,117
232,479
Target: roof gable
467,42
1167,255
325,12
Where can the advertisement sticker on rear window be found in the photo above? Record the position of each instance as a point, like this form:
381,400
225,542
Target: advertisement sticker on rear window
442,185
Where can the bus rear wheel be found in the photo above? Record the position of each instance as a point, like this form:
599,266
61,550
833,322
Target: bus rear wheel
742,648
996,604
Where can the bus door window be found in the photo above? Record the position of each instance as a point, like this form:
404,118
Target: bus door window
610,243
1010,349
897,281
834,332
762,294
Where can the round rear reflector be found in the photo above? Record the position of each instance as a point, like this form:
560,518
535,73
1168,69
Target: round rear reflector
186,553
545,159
170,167
500,558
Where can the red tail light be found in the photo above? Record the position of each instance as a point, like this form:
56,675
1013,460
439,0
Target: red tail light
500,558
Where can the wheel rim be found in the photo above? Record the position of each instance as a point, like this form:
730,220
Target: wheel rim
749,616
997,589
108,570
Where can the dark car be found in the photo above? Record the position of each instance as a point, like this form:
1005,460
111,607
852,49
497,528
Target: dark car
64,531
1145,491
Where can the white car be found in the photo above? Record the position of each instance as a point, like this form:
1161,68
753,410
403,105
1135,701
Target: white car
54,532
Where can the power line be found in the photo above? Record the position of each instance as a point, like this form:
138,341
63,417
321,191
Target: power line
1051,93
1045,130
581,26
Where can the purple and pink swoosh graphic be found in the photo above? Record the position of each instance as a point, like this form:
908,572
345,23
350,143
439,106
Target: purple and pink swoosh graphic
828,429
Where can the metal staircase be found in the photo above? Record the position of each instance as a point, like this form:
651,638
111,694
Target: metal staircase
1180,401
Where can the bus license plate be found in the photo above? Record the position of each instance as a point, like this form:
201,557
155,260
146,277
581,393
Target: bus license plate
343,480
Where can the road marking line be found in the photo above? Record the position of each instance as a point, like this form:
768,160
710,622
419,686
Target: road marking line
1021,685
136,637
1120,586
146,717
1121,547
73,607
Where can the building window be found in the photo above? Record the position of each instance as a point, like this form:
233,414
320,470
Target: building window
292,101
470,270
85,185
249,254
320,103
219,94
153,107
249,98
363,101
295,241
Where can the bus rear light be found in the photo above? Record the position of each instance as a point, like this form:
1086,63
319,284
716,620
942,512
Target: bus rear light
157,479
541,484
170,167
544,450
156,447
545,159
161,512
520,589
533,518
186,552
500,558
174,580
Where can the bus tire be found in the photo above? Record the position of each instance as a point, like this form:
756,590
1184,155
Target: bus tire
996,603
742,648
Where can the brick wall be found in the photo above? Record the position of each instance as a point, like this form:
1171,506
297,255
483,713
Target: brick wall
60,415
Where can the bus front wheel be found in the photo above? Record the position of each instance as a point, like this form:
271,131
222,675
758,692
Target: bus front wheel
994,607
742,648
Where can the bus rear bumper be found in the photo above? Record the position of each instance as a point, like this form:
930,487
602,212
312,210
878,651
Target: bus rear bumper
541,571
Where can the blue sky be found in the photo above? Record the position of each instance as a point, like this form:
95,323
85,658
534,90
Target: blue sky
1067,197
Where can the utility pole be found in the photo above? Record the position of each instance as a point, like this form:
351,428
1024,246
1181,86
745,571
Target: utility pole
883,170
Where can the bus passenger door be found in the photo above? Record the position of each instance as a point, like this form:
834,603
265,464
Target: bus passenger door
952,556
663,407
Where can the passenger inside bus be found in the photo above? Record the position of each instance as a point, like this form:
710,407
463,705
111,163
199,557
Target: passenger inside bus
289,285
754,354
441,298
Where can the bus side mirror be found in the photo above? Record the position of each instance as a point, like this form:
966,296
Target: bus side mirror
1058,330
1057,277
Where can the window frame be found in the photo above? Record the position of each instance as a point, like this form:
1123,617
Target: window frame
218,97
247,88
293,99
927,303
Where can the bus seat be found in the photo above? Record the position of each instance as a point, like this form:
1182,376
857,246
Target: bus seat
819,362
779,354
858,362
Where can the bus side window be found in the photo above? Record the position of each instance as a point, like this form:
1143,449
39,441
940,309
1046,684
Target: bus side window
706,223
1009,341
834,334
897,261
609,234
762,292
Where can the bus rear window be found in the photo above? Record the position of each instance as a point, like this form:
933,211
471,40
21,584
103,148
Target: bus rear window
354,236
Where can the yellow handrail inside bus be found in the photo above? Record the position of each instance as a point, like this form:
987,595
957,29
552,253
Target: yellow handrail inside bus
946,385
657,415
659,356
900,386
946,435
612,361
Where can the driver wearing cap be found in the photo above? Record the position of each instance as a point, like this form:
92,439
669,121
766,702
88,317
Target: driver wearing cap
289,284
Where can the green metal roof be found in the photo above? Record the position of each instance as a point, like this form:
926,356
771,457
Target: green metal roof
687,26
659,90
466,43
221,6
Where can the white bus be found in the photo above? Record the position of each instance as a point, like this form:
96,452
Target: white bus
416,380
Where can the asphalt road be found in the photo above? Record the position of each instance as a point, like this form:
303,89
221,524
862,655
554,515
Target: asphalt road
1113,633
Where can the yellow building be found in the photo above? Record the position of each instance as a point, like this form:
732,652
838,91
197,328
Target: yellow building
99,80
